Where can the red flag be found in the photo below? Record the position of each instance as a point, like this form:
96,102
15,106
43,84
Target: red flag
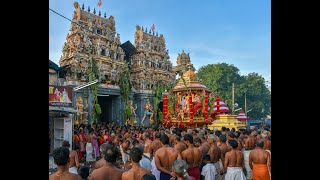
152,28
99,3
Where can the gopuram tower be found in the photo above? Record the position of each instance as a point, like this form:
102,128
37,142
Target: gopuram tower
183,60
150,63
92,34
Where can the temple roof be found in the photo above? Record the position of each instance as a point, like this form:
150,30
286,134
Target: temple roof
53,65
128,49
191,80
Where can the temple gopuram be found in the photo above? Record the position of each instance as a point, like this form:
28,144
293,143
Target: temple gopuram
151,62
183,61
94,35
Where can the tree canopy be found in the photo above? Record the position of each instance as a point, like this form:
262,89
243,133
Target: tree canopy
219,78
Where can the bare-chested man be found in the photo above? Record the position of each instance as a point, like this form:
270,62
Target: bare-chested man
249,146
215,154
239,137
61,158
164,158
223,147
170,136
233,163
218,133
193,156
127,134
267,142
260,162
109,171
136,172
147,145
124,148
231,136
203,147
155,145
73,158
205,143
101,162
178,145
116,140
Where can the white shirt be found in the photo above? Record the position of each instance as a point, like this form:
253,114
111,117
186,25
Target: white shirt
145,163
209,171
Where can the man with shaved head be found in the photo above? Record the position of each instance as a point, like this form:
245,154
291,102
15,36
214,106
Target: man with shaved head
259,159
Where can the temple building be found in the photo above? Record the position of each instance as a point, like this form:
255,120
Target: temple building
93,35
183,60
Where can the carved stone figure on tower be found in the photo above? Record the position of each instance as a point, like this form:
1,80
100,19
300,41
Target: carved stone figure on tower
122,56
137,35
115,55
99,50
65,49
113,72
107,51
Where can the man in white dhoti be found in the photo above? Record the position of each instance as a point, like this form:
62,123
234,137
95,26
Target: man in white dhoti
249,146
234,163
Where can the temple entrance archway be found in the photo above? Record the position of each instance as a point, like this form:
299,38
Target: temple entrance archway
106,102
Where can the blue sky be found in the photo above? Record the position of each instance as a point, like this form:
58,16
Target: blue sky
212,31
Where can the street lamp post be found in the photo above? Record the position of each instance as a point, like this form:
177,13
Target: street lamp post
232,98
247,116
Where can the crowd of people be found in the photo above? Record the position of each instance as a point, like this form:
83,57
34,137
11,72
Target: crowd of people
134,153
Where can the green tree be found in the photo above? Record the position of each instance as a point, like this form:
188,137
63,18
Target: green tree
258,96
219,78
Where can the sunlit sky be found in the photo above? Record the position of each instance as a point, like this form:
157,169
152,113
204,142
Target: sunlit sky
212,31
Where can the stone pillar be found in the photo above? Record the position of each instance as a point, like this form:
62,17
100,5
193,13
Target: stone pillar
117,110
